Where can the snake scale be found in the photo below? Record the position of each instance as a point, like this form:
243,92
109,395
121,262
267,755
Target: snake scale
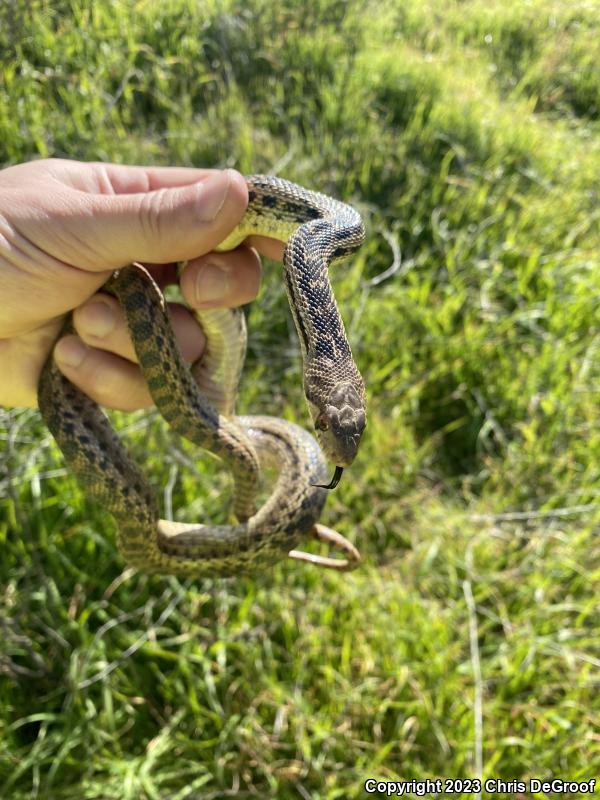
198,404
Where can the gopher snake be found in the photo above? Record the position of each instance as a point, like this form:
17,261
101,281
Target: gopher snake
318,230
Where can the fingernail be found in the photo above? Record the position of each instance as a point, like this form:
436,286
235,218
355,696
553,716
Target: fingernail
212,283
213,194
97,318
70,351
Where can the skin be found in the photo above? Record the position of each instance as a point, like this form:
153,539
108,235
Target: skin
66,225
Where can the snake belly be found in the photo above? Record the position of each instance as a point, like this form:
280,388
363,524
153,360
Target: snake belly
317,230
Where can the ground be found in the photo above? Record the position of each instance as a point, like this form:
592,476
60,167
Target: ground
467,645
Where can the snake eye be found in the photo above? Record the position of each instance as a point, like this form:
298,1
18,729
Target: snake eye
322,423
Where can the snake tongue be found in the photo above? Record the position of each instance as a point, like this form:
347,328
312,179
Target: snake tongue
334,481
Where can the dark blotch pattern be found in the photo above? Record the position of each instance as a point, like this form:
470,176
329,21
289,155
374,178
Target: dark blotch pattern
102,464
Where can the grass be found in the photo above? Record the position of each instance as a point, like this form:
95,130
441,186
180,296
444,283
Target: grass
467,646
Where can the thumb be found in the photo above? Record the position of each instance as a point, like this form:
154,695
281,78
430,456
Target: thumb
166,224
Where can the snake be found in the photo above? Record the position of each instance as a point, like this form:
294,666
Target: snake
198,403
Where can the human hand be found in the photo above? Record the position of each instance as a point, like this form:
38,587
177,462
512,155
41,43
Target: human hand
66,225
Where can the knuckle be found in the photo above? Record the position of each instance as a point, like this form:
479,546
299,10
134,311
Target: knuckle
152,213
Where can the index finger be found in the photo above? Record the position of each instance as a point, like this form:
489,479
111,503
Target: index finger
271,248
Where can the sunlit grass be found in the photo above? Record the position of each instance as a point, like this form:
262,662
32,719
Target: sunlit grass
467,134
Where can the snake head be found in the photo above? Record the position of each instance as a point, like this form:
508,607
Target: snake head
340,421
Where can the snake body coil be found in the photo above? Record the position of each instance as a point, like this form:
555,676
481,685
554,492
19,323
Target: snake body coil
318,230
